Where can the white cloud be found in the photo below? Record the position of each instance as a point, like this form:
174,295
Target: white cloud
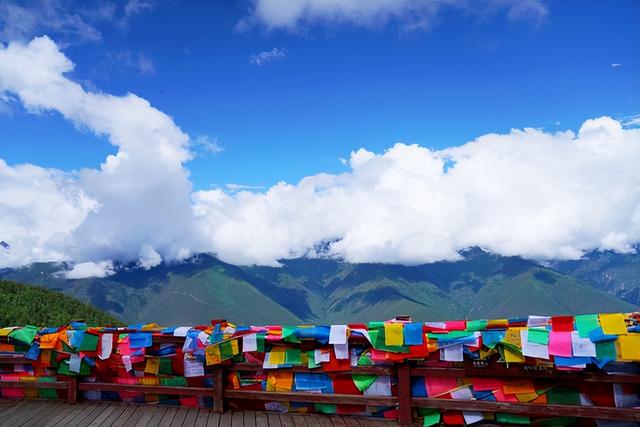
275,54
616,65
543,195
140,195
68,20
243,187
409,14
204,144
85,270
532,193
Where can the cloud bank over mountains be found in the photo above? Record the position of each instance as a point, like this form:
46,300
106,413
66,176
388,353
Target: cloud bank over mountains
529,192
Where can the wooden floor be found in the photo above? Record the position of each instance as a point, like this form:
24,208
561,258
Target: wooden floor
58,413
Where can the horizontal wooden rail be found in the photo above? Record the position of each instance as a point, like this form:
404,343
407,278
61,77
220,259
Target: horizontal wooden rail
57,385
531,409
520,373
346,399
148,389
359,370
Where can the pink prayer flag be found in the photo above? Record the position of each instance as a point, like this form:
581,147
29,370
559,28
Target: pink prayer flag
439,385
456,325
480,384
560,344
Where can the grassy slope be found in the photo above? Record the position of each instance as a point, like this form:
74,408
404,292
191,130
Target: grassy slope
25,304
542,291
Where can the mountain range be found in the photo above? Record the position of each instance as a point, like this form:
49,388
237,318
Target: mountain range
313,290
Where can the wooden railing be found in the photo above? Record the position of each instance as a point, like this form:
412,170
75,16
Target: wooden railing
403,401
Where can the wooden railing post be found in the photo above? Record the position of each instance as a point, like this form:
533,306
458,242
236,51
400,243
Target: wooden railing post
72,390
405,411
218,390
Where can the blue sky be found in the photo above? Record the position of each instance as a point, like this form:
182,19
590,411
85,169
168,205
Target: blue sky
339,86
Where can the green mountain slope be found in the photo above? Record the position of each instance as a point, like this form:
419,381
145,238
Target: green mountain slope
24,304
480,285
541,291
617,274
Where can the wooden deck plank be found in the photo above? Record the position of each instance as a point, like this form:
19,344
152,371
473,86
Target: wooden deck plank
137,414
61,412
298,420
286,420
168,417
324,421
146,417
178,419
71,415
249,418
214,419
190,419
17,416
32,417
225,419
157,416
274,420
352,422
124,415
261,419
15,408
90,412
312,420
337,421
201,419
108,410
237,419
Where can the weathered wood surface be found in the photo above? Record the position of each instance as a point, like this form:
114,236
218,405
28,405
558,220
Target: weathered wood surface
40,413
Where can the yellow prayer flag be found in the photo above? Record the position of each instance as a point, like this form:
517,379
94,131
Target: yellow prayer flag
629,346
511,357
613,324
277,356
393,334
152,366
149,380
212,354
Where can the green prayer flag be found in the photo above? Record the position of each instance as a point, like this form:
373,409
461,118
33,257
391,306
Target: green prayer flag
47,393
226,350
365,359
288,334
292,356
89,343
325,408
25,335
378,342
63,368
166,366
512,419
260,342
563,396
177,381
586,323
311,362
376,325
606,350
363,382
431,416
476,325
538,336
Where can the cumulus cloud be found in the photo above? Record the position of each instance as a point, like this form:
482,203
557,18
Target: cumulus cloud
275,54
90,269
538,194
139,196
409,14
